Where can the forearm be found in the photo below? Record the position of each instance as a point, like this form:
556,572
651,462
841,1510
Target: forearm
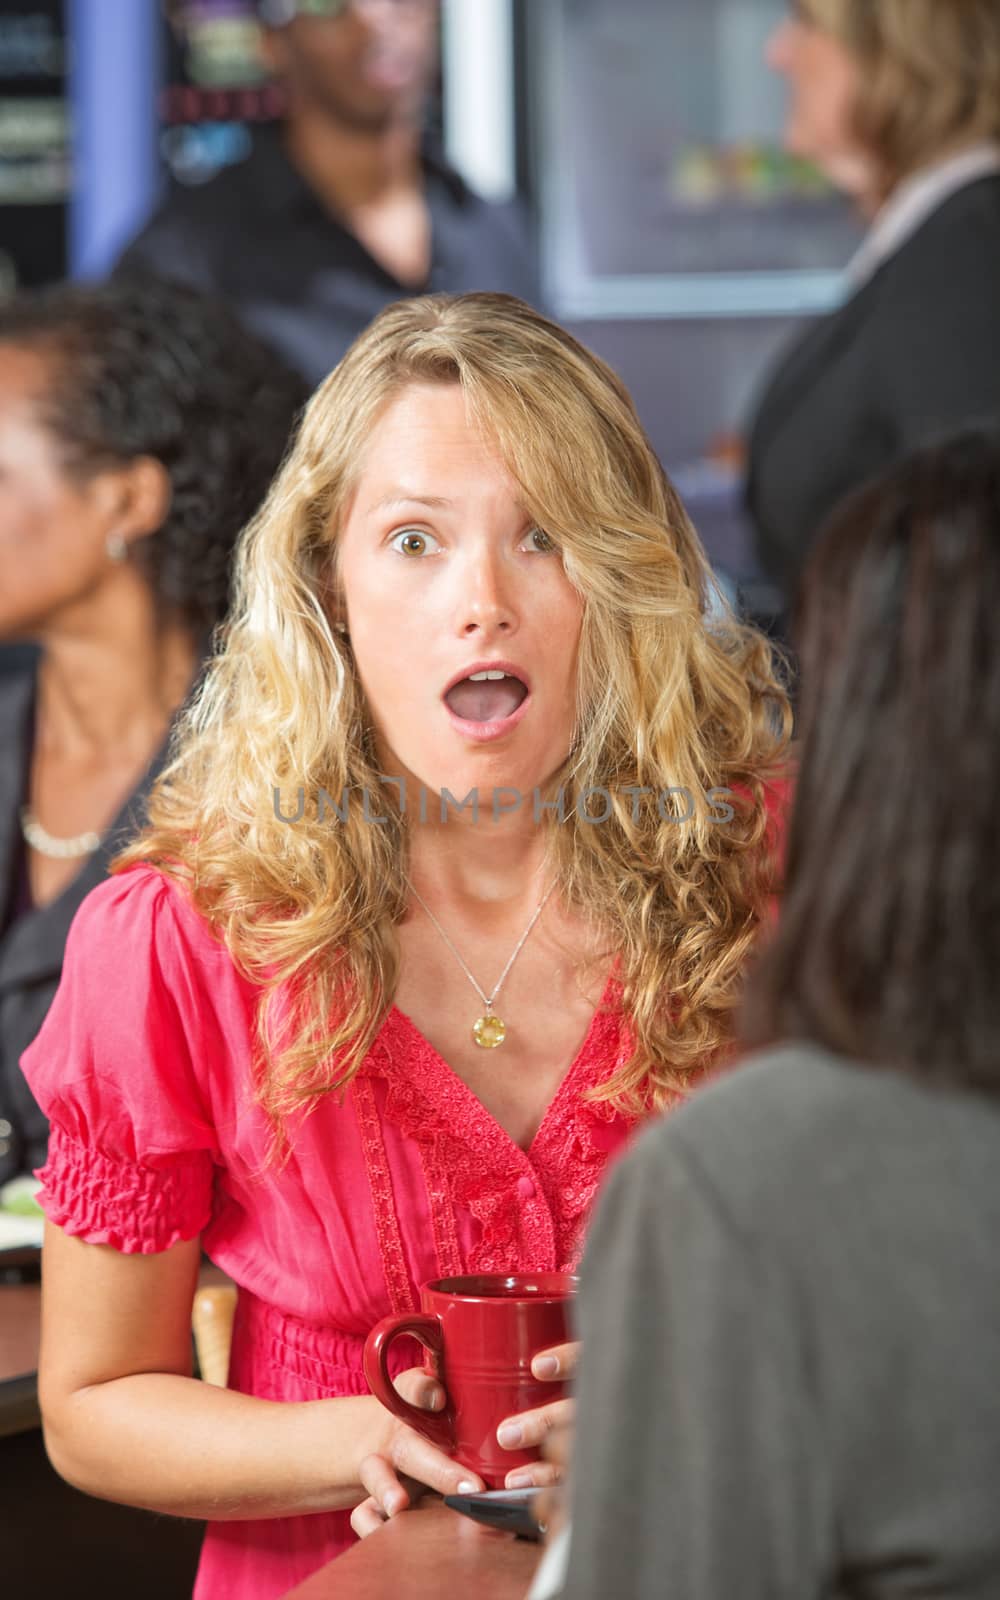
184,1448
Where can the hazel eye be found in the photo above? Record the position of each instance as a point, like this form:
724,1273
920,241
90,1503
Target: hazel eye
539,542
412,542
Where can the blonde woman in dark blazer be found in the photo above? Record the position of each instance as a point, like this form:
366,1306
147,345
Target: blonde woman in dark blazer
898,101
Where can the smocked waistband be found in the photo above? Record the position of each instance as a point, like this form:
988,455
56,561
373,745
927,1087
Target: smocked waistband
327,1357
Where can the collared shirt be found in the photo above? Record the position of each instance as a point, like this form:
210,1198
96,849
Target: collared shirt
916,199
260,236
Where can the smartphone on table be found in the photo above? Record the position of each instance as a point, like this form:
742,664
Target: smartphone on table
510,1510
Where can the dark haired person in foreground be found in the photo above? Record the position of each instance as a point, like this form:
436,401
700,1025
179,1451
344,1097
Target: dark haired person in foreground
791,1305
139,428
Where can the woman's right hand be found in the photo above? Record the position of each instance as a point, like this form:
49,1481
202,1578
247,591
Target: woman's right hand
404,1465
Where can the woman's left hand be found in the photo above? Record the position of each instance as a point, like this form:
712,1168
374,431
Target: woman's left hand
529,1429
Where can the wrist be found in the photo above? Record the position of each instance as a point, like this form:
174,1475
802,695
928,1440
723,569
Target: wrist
330,1439
372,1433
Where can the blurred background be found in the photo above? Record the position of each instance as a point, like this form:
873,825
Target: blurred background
676,237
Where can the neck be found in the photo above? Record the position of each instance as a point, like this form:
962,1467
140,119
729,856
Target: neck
110,683
348,166
467,864
873,201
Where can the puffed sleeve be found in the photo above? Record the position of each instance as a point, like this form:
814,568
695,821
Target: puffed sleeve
132,1148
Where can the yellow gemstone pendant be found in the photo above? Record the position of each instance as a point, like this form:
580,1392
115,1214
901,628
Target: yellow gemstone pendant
489,1031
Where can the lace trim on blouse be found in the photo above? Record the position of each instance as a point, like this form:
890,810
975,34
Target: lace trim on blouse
531,1205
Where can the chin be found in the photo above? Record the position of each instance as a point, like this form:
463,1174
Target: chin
796,144
366,113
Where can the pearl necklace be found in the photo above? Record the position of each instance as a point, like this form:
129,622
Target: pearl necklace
83,844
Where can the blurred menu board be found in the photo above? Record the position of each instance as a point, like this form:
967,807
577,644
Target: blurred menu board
680,198
35,143
216,87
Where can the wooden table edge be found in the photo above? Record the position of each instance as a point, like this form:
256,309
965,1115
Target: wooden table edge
378,1567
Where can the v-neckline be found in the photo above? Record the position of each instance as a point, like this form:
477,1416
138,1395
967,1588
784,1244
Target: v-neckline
449,1077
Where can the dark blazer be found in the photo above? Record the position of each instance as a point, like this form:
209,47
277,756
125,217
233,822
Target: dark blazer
913,355
32,945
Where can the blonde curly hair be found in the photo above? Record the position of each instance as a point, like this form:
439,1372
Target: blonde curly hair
673,691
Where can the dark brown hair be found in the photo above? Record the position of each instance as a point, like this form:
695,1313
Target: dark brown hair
143,367
888,943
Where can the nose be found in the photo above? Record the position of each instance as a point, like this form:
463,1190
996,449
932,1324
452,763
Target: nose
380,16
486,606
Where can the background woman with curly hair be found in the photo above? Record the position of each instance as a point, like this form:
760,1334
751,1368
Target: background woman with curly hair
139,430
472,719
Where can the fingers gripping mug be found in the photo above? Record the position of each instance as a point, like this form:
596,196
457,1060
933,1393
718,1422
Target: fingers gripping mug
480,1334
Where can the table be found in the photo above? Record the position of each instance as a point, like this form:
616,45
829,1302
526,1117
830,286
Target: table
431,1553
112,1550
20,1317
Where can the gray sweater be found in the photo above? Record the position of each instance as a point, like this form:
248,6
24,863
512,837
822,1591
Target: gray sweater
790,1312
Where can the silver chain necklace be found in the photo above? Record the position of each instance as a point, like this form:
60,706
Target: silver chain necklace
489,1030
82,844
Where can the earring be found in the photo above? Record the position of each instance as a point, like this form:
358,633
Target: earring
341,628
116,547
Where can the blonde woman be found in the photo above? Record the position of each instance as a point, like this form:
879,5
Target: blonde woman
898,101
452,878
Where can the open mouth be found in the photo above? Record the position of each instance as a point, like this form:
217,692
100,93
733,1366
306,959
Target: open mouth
492,695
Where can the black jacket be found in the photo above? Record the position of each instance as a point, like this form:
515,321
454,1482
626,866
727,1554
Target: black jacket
913,355
32,944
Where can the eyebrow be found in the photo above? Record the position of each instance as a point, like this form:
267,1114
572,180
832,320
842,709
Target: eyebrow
401,497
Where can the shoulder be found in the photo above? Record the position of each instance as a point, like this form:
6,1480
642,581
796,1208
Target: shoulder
188,233
794,1119
210,203
958,244
207,204
971,214
507,219
17,663
143,909
937,322
140,893
504,224
779,797
17,687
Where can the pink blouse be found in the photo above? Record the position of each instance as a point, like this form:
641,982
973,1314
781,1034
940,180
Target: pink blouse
143,1068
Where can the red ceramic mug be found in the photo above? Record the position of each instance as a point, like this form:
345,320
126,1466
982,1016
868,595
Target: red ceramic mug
480,1334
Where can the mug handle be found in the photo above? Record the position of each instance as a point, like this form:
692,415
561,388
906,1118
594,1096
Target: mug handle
434,1425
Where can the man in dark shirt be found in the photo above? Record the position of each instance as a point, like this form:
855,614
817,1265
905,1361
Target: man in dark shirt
348,206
